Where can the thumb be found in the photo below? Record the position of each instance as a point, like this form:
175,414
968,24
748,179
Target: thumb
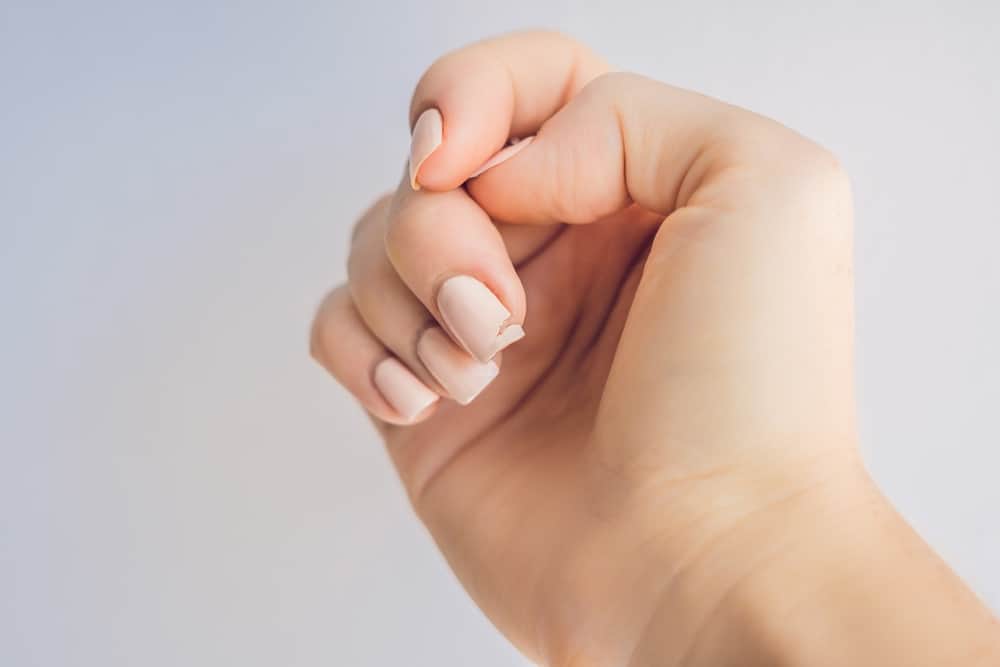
625,138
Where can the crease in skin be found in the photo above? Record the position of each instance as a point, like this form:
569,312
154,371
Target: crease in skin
568,353
559,230
633,271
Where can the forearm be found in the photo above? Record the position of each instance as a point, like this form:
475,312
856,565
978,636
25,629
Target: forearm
838,580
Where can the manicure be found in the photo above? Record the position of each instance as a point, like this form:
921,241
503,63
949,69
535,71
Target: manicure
504,154
427,136
476,318
462,377
402,390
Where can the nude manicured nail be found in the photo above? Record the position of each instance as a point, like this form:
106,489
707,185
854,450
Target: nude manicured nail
427,136
504,154
461,376
401,389
476,317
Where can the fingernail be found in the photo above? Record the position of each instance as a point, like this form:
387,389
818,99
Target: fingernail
504,154
461,376
427,134
401,389
476,317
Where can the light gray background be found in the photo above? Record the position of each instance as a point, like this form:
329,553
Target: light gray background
180,486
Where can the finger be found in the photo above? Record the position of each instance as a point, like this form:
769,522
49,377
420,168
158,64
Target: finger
388,308
343,345
627,138
454,260
470,101
395,316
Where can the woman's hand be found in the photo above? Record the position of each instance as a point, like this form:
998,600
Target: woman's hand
677,420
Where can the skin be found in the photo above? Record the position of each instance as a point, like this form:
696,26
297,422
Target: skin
665,470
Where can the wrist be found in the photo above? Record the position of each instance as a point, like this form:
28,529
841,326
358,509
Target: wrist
738,600
831,576
669,566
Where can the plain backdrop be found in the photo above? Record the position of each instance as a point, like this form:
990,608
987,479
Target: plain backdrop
180,485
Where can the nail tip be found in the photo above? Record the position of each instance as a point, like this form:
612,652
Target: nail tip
510,335
427,136
461,378
415,174
475,316
504,154
413,177
402,390
412,418
466,400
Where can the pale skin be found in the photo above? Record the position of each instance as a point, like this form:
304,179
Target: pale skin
664,470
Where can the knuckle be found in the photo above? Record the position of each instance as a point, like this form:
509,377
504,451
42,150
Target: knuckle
799,168
410,218
484,58
328,316
448,68
365,239
818,197
398,226
816,173
826,170
615,82
371,215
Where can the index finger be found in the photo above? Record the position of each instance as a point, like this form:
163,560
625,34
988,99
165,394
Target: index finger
471,101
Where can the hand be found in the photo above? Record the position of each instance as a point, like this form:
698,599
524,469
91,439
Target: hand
683,393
